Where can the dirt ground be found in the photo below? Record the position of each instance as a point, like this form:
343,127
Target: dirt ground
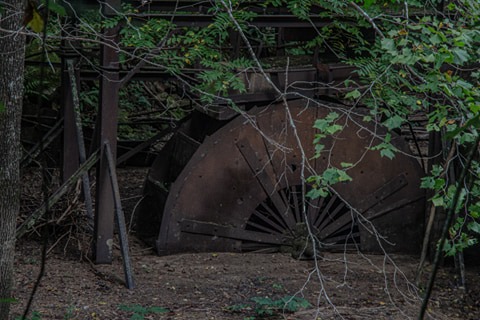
231,286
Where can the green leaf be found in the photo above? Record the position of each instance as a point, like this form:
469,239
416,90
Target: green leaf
427,183
387,153
474,226
438,201
36,24
435,39
460,56
333,128
2,107
343,176
354,94
346,164
474,212
388,44
393,122
317,193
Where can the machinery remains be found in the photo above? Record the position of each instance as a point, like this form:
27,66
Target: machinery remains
243,188
234,179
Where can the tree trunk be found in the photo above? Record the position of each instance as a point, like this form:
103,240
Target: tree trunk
12,54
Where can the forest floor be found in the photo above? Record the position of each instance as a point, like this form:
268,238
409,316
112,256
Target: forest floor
230,285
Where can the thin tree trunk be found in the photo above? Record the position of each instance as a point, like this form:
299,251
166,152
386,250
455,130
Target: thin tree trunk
12,54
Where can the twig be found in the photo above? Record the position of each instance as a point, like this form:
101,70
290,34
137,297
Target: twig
56,242
369,19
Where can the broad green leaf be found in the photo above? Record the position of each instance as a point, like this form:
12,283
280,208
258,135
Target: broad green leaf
437,170
317,193
438,201
36,24
332,116
388,44
475,214
333,128
387,153
435,39
474,226
343,176
460,56
427,183
354,94
393,122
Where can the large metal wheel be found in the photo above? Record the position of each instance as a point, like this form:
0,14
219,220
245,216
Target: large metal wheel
243,190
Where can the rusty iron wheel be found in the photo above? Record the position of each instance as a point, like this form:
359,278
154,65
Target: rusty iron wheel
240,188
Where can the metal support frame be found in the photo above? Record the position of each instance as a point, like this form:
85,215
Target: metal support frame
106,133
119,217
80,140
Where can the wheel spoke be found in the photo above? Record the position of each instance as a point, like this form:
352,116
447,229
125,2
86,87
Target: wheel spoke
314,207
342,238
322,219
275,216
296,203
336,225
265,181
271,226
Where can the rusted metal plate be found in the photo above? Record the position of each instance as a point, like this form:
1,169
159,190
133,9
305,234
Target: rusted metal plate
248,176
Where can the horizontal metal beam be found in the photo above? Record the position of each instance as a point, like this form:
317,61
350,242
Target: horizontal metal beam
262,20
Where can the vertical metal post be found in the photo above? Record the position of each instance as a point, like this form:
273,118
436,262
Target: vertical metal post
70,161
106,132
